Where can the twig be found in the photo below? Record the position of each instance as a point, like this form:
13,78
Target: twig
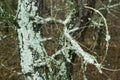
107,32
108,69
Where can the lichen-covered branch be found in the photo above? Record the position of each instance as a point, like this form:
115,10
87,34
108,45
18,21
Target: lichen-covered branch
35,62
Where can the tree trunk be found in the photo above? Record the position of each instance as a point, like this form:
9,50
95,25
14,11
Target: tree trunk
35,63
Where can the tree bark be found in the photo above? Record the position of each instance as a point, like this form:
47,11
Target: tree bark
32,48
30,40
